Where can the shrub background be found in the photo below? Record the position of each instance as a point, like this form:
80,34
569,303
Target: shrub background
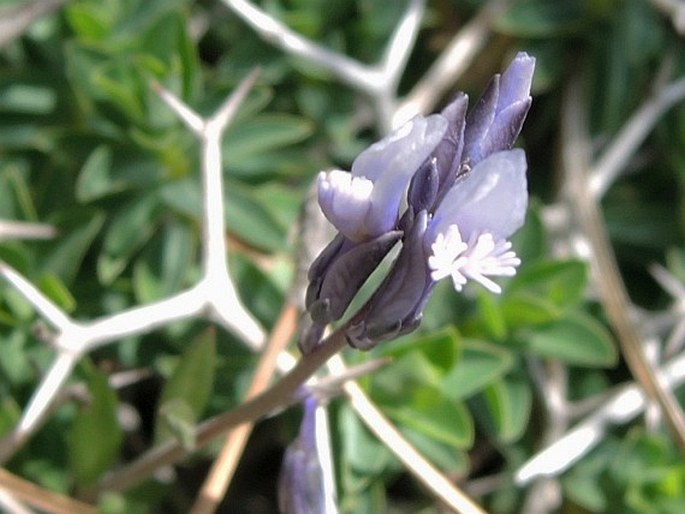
88,147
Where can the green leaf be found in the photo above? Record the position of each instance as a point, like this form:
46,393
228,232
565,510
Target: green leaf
17,180
578,339
439,348
94,180
145,17
86,21
560,282
587,491
525,308
427,411
178,420
131,228
480,364
491,313
393,383
248,219
15,360
263,134
162,269
259,292
55,289
183,196
10,414
190,383
80,229
542,18
95,435
27,98
509,403
445,456
362,452
530,241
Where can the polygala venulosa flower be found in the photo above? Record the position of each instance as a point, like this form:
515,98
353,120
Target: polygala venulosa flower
301,486
466,194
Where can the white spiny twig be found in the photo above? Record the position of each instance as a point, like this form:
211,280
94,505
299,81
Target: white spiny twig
11,505
676,10
378,81
551,379
623,406
325,454
451,64
214,295
616,157
24,230
676,289
16,18
629,401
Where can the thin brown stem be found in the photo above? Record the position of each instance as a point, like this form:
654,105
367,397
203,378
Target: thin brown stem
615,300
219,477
278,396
40,498
387,433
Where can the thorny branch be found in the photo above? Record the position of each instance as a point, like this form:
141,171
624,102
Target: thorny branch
623,405
214,294
379,81
576,160
22,230
451,64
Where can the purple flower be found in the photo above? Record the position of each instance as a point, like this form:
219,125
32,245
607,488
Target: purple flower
465,239
365,203
466,196
496,120
364,206
301,485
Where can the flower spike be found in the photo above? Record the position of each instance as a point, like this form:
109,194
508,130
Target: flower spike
466,194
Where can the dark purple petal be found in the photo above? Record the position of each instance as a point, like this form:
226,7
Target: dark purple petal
449,152
344,275
496,120
505,128
423,188
395,307
300,485
479,121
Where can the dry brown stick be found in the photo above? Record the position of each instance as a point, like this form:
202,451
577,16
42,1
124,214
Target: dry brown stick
436,482
614,297
219,477
40,498
280,395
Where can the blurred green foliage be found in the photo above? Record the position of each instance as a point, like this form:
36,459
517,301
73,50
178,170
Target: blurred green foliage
87,146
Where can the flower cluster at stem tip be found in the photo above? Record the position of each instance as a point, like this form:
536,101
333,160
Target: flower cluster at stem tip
466,194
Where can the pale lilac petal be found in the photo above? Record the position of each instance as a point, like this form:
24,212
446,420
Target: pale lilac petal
345,201
516,81
391,163
301,485
492,198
